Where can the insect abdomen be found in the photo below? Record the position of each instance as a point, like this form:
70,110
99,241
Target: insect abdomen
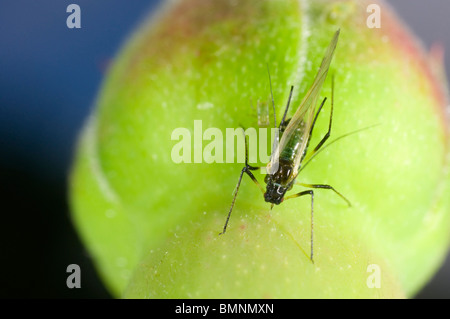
290,152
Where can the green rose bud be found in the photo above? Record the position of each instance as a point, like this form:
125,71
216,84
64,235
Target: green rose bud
152,224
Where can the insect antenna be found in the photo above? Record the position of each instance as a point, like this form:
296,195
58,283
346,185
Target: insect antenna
273,101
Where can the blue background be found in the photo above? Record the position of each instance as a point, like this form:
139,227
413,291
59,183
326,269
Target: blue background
49,78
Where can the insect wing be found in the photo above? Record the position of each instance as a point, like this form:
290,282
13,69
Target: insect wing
304,113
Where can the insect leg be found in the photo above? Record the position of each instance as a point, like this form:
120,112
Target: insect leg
234,199
327,135
247,169
287,107
326,187
308,192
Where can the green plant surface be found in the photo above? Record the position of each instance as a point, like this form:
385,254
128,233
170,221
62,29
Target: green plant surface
152,225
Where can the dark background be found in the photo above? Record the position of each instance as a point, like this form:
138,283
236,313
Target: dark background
49,78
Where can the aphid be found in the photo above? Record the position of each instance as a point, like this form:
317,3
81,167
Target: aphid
289,155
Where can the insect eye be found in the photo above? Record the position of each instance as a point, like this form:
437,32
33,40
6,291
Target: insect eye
266,179
280,190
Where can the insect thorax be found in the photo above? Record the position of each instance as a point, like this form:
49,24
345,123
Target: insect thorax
278,183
